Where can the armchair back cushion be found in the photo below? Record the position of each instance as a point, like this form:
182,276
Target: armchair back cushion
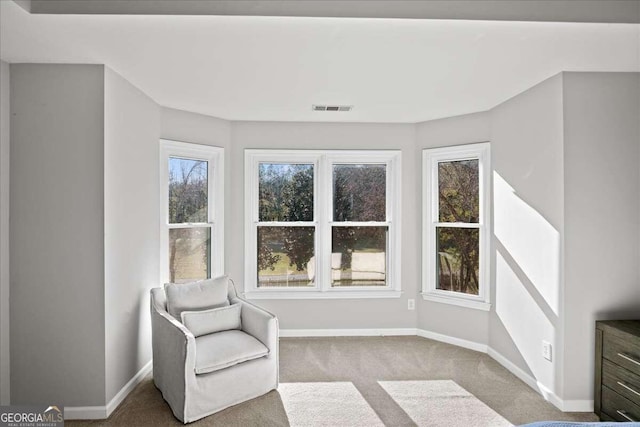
201,295
213,320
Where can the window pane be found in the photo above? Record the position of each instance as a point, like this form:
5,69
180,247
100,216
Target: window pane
457,259
359,256
459,191
189,254
286,256
187,190
359,193
286,192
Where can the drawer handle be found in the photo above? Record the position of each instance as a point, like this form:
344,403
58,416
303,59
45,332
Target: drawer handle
625,416
630,359
620,383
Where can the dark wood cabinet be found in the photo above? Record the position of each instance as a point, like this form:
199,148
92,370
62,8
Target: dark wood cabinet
617,375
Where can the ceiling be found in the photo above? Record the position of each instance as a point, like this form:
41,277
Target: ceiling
620,11
274,67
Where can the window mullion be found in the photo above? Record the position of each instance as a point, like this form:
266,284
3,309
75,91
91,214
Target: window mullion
285,223
435,191
457,224
191,225
360,224
211,191
325,192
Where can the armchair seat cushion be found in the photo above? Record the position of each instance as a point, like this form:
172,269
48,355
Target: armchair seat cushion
224,349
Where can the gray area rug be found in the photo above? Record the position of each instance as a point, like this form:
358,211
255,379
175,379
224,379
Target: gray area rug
366,363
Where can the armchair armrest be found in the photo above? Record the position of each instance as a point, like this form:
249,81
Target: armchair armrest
173,343
174,358
176,333
260,324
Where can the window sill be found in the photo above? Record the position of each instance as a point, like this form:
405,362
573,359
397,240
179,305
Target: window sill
360,294
461,302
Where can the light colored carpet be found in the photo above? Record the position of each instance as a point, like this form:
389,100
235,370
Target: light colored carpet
326,405
363,362
442,403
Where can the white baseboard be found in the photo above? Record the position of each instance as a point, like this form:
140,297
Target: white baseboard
527,379
128,387
471,345
577,406
103,412
515,370
563,405
286,333
85,412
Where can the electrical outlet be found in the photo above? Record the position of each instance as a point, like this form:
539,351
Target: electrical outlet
411,304
546,350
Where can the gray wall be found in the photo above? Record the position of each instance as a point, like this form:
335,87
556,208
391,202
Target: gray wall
5,118
451,320
528,212
56,236
131,225
84,232
566,178
527,200
602,225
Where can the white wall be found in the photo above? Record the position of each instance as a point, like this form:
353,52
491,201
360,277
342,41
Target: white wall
56,234
331,314
450,320
131,225
528,214
5,118
196,128
602,225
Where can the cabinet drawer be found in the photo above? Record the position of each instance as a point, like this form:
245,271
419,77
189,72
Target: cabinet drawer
618,407
622,353
621,381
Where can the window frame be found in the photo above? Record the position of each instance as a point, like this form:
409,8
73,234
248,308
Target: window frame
430,208
214,156
323,161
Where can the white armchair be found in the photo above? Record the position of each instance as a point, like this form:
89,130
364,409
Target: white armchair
199,376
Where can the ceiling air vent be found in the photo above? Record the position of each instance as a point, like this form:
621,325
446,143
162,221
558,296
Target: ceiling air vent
332,107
